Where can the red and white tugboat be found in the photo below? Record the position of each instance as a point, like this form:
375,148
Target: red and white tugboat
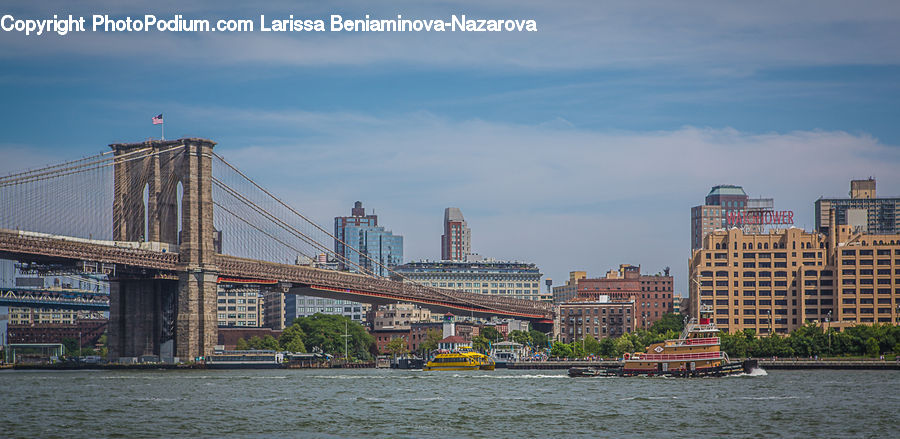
696,353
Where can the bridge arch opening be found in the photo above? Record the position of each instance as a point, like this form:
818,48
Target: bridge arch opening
179,195
145,198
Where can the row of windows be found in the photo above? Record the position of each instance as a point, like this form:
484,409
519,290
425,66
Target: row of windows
748,292
866,310
598,320
239,293
578,311
866,301
881,262
598,330
868,252
328,309
869,272
237,308
311,301
882,281
250,317
765,246
869,291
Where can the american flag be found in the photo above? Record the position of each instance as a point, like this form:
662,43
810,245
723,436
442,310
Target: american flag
157,119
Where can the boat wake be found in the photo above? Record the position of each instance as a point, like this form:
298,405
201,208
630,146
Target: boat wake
755,372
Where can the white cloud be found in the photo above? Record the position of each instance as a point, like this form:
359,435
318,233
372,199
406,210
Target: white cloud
564,198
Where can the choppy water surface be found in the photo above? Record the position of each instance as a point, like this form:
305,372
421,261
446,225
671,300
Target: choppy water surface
390,403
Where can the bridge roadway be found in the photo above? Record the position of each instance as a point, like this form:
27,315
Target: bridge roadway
311,281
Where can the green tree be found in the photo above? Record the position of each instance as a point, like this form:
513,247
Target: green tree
492,334
71,346
771,346
291,339
397,346
668,322
567,350
607,347
326,332
538,339
268,343
521,337
624,344
432,337
591,345
872,348
480,343
561,350
242,345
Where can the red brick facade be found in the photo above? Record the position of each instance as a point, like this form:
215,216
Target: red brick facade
652,294
89,330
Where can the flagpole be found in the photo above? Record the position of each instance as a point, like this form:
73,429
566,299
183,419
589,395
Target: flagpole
162,126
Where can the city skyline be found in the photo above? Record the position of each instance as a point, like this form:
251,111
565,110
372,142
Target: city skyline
579,147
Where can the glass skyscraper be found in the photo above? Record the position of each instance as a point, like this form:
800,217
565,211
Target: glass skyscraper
364,245
381,248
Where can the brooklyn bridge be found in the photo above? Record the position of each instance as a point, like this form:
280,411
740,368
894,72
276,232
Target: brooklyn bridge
171,220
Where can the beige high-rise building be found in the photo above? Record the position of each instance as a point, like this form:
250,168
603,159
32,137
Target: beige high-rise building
776,282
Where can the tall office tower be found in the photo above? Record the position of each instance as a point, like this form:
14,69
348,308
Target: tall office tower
362,245
378,249
357,217
863,212
723,200
456,240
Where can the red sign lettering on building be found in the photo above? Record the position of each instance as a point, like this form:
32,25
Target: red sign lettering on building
764,217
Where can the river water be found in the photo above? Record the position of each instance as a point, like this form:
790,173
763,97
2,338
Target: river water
416,404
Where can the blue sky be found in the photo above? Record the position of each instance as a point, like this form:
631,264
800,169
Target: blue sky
579,147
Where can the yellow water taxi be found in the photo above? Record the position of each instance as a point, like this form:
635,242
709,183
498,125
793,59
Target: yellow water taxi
463,358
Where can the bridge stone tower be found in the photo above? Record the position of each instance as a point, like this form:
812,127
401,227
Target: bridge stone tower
165,314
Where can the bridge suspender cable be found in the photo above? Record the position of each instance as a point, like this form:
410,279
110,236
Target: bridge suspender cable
271,217
59,170
414,285
456,295
84,167
58,165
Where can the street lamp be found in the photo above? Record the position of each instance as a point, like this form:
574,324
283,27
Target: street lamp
828,330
